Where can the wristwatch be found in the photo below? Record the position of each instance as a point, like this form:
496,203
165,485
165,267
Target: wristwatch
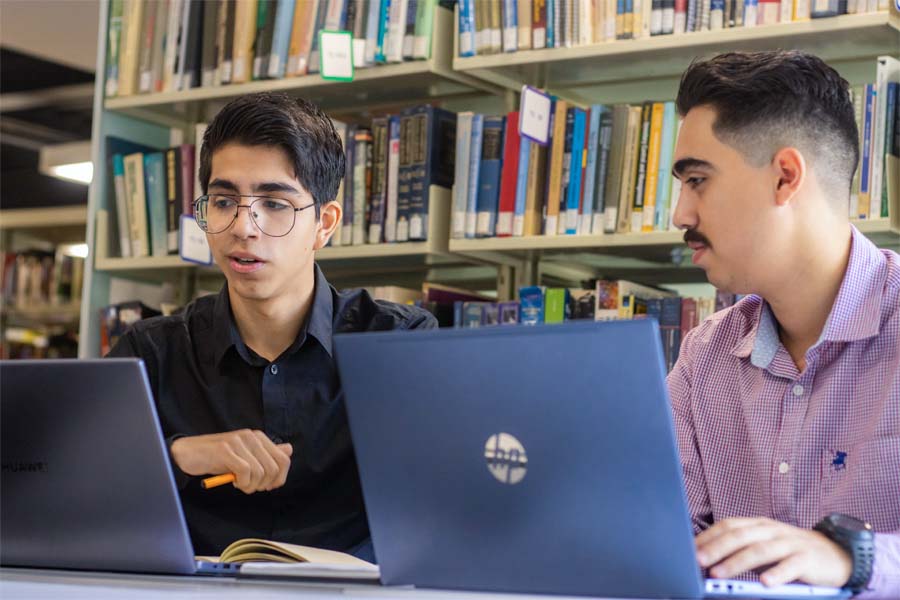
858,539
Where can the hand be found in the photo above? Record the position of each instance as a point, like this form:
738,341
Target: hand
738,545
257,463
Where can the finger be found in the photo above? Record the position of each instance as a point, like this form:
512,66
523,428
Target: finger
264,450
244,447
734,540
790,569
755,555
283,458
724,526
243,473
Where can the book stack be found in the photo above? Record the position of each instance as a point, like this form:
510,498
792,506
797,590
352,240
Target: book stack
167,46
494,26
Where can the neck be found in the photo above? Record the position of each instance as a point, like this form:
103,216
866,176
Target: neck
803,298
271,325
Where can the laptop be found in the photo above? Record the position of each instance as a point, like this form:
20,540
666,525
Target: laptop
526,459
86,481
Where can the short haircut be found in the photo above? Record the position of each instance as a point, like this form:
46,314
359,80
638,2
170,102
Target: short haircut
765,101
297,126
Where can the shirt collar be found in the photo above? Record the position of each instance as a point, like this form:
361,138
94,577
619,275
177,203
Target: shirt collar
855,314
318,324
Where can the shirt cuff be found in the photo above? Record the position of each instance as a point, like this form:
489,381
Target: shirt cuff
885,581
181,478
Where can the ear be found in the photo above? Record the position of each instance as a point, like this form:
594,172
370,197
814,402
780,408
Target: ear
790,171
330,216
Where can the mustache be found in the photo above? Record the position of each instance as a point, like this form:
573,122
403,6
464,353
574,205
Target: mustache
692,235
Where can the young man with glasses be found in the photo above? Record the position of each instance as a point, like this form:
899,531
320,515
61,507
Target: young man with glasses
787,405
245,381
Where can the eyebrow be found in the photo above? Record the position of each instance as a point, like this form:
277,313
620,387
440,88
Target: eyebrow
690,163
265,187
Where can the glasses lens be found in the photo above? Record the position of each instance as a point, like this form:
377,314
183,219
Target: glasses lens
219,212
273,216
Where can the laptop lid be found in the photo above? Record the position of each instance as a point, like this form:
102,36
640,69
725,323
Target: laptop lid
522,459
86,481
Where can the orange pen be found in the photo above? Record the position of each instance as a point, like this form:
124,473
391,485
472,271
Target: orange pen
211,482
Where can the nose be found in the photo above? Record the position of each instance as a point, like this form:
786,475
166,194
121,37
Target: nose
243,226
685,215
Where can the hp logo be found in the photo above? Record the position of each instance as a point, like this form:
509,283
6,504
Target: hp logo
506,460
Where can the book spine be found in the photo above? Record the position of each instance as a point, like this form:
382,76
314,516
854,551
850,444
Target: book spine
474,175
122,206
409,30
114,36
865,176
393,176
373,20
284,18
489,177
173,198
603,161
349,196
362,184
379,180
653,152
509,177
565,178
420,176
134,188
640,179
384,28
538,24
521,187
145,60
555,173
155,194
890,123
510,18
573,199
407,141
461,175
586,218
207,42
466,28
523,19
227,51
663,185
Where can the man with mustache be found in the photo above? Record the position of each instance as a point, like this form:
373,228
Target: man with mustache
786,405
245,381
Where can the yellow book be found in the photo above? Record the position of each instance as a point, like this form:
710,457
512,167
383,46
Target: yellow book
244,36
267,557
632,150
130,44
556,167
656,123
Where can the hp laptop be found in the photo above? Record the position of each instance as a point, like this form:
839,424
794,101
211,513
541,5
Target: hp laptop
86,481
526,459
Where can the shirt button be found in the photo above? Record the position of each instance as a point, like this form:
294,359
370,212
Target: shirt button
798,390
273,369
784,468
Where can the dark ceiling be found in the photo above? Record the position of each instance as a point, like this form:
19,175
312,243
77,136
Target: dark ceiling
41,102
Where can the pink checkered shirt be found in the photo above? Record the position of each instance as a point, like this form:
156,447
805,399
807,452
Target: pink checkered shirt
759,438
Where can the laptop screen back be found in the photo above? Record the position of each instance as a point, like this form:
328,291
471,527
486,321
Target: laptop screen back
86,480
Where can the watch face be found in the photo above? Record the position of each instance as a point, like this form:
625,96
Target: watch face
849,523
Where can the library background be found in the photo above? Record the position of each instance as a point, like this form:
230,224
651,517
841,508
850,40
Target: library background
446,205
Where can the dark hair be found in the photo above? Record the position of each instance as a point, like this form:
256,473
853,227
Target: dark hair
297,126
765,101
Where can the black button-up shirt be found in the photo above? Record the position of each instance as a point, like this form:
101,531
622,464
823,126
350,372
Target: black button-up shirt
206,380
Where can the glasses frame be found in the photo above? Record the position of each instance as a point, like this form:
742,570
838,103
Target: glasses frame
257,198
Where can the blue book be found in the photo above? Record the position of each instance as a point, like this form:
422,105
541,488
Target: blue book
474,174
590,169
155,193
521,187
384,19
373,19
489,177
663,180
404,188
573,201
865,166
432,165
670,329
510,20
531,302
551,27
284,20
467,27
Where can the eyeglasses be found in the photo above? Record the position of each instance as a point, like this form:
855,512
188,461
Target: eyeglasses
273,216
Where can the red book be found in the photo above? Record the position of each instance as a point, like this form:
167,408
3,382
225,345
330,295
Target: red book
509,176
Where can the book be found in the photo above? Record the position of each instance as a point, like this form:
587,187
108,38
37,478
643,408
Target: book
266,557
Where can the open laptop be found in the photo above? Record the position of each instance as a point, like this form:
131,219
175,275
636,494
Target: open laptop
86,481
526,459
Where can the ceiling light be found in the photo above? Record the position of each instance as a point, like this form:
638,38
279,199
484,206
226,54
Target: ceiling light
71,161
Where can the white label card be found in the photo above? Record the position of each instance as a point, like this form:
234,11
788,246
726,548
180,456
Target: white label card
534,115
336,55
192,244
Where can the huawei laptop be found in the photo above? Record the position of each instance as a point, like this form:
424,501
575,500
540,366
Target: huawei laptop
526,459
86,481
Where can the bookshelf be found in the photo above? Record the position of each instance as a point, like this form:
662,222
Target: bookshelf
635,70
612,72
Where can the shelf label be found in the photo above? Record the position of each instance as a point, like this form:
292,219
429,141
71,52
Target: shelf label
192,244
336,55
534,115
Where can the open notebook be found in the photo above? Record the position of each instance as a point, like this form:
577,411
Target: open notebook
259,557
